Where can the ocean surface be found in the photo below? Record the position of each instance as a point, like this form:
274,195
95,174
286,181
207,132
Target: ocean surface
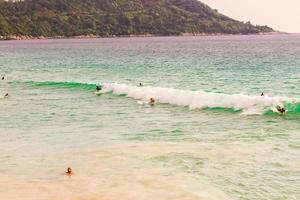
209,136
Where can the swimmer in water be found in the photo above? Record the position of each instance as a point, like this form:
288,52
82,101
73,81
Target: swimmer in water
98,88
281,110
262,94
152,101
69,172
140,85
6,95
2,78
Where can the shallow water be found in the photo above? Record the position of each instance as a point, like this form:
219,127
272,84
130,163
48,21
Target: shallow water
210,136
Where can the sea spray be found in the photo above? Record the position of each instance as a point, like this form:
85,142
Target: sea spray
199,99
248,105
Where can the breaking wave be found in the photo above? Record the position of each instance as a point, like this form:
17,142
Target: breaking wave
199,99
248,105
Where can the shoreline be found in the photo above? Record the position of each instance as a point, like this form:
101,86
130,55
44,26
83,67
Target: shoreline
91,36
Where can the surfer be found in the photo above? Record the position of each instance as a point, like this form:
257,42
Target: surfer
140,85
281,110
152,101
98,88
262,94
69,172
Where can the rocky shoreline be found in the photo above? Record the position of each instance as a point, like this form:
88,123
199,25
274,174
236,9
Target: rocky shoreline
28,37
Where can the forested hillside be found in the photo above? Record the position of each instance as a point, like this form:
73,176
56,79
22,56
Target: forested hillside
50,18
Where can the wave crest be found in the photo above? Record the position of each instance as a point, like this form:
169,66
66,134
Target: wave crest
199,99
248,105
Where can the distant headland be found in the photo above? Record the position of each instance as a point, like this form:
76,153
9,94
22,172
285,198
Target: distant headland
38,19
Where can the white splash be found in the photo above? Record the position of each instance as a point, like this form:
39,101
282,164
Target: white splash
198,99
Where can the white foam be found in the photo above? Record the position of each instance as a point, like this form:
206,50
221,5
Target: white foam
199,99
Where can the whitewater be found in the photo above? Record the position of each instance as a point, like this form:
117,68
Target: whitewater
199,99
247,104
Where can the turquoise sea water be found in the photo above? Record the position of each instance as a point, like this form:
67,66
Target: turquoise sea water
210,135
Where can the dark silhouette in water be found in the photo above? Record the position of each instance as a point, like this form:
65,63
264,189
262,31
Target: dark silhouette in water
98,88
69,172
140,85
281,110
262,94
6,95
2,78
152,101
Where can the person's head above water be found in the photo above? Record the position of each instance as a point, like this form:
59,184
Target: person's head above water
281,110
98,88
152,100
2,77
69,171
140,84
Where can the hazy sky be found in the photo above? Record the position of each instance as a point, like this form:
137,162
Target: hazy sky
282,15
